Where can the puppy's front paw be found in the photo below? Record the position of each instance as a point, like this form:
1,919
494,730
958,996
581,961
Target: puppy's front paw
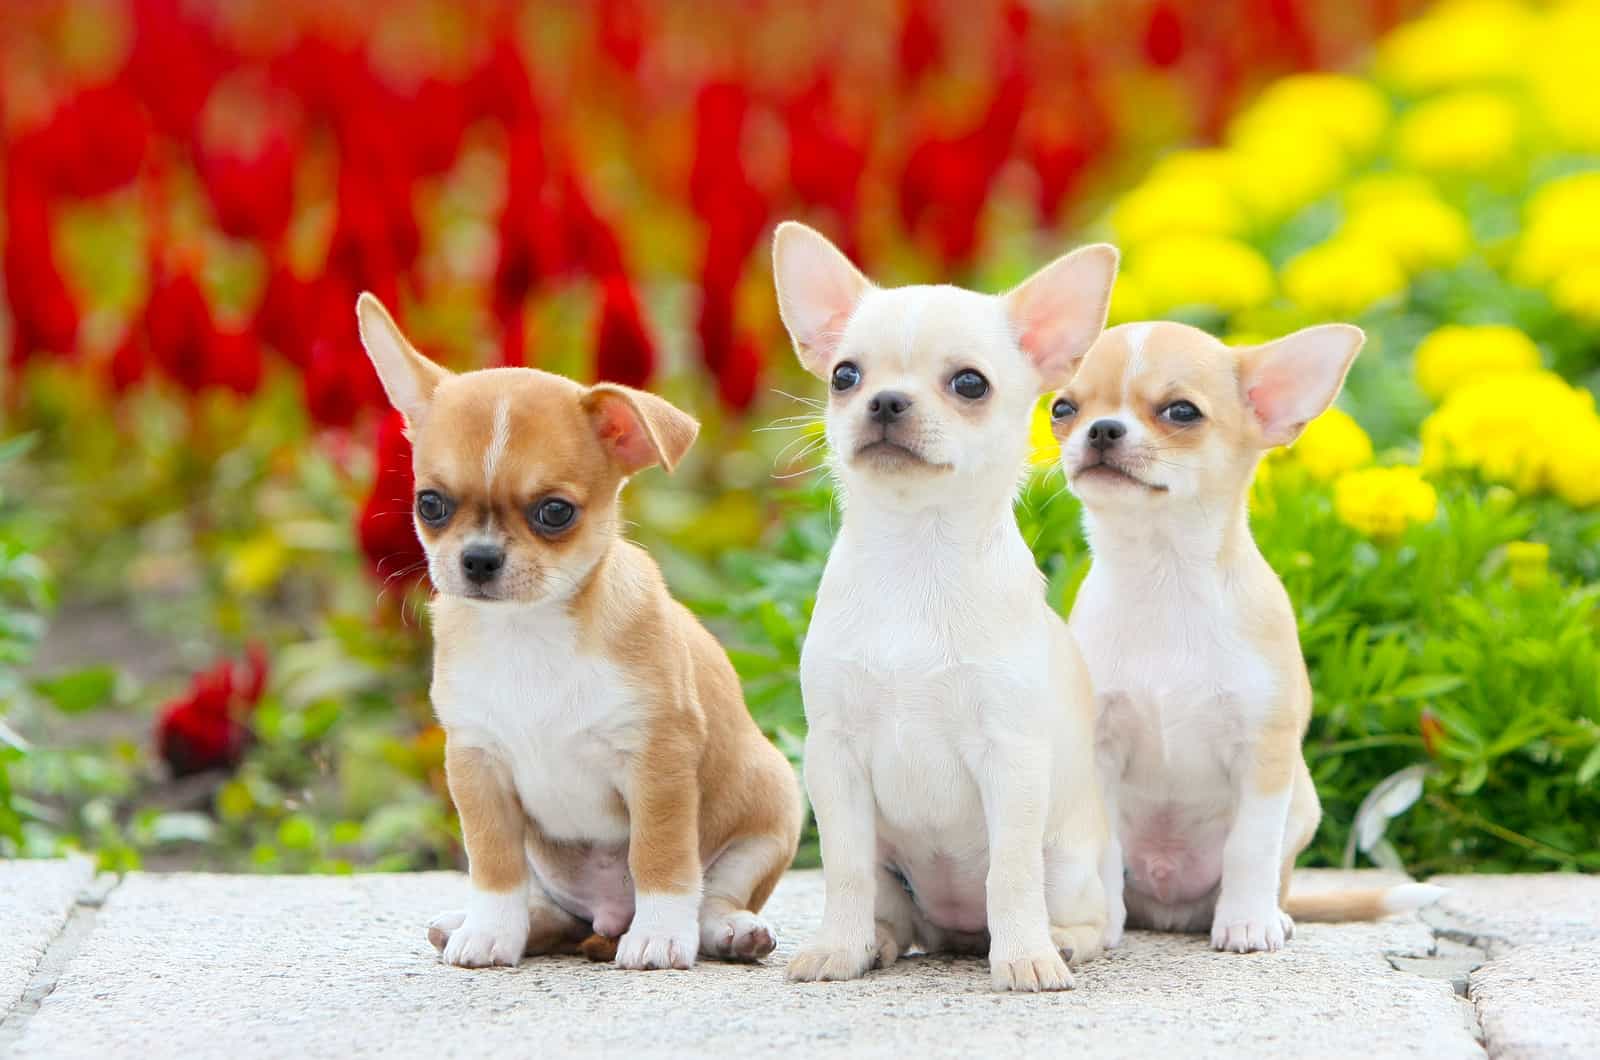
493,930
1046,971
739,936
665,934
1250,929
1078,942
832,964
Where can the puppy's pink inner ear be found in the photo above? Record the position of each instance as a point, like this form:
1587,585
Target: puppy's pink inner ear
621,431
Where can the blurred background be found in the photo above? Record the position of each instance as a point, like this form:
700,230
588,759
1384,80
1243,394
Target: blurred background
213,633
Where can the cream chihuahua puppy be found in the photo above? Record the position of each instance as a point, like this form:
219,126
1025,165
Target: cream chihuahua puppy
1202,693
608,776
949,757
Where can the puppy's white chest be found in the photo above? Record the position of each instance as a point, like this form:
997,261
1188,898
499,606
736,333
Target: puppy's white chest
562,719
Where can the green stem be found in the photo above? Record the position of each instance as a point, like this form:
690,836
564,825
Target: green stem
1500,832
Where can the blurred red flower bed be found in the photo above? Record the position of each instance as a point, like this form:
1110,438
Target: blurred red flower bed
631,141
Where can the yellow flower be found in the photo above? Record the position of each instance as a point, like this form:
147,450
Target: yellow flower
256,566
1347,110
1185,203
1045,450
1468,131
1381,187
1128,301
1343,277
1575,467
1223,274
1528,562
1565,79
1420,231
1455,354
1382,502
1458,44
1281,170
1332,444
1578,291
1562,229
1532,431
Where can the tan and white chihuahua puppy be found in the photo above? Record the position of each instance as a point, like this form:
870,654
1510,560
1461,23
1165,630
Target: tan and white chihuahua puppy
949,757
1202,693
608,776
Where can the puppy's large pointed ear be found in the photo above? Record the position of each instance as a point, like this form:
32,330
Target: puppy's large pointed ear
1060,310
818,289
1291,381
639,429
408,377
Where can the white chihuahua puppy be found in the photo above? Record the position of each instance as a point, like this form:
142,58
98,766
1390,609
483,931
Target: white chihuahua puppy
1203,696
950,754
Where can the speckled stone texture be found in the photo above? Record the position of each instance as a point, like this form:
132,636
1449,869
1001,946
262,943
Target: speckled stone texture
239,967
1538,995
35,899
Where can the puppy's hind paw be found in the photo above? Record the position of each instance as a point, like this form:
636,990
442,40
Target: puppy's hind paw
831,965
1047,971
740,936
1078,942
441,927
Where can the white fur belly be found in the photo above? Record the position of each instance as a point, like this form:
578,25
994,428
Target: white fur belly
561,720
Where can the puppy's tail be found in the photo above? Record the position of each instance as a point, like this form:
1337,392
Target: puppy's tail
1372,903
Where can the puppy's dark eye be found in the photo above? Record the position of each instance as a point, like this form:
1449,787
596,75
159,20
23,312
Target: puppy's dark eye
552,515
969,384
1181,412
433,507
845,376
1063,409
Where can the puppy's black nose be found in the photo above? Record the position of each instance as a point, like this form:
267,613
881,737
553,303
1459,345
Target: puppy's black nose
482,562
1103,434
887,406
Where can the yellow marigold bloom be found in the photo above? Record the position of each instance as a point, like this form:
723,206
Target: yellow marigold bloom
1468,131
1565,80
1350,111
1223,274
1457,353
1128,301
1332,444
1284,169
1575,468
1420,231
1577,291
1166,205
1528,562
1382,187
1532,431
1044,449
1343,277
1382,502
1458,44
1562,229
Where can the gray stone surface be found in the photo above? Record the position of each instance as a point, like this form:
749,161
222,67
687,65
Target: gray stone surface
201,966
1539,993
35,899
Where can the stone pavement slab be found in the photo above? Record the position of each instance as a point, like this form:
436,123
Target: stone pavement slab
1538,993
35,899
241,967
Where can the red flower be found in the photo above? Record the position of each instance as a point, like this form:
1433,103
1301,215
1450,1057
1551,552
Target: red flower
235,361
1163,36
339,382
181,333
44,316
209,728
252,192
95,141
740,374
176,59
385,529
827,159
920,47
624,351
129,361
1433,731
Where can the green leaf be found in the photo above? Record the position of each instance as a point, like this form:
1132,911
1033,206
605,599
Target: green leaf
1590,768
79,691
1425,686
